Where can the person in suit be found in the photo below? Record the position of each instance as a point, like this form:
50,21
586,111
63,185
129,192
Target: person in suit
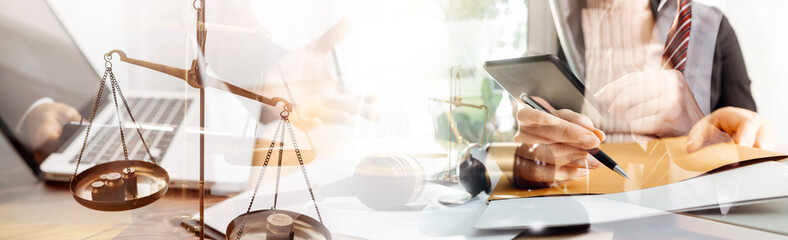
662,68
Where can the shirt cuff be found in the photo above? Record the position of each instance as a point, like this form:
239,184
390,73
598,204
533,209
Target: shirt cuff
29,109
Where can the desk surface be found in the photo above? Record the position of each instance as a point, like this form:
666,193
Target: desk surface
769,216
32,209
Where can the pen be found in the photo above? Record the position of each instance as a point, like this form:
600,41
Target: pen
596,152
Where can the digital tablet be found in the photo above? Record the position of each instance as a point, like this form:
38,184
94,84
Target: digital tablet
543,76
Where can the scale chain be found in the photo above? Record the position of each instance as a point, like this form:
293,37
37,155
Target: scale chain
116,91
128,109
117,113
286,118
283,121
303,168
279,165
259,179
92,116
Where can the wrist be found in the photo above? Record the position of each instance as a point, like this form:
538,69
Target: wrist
19,126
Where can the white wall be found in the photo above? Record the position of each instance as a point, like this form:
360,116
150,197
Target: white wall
762,31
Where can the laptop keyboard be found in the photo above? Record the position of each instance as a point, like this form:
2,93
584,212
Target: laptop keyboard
159,118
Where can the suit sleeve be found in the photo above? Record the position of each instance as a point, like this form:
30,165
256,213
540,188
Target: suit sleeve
730,84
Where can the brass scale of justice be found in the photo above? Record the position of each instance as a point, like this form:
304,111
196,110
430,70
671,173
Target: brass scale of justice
130,184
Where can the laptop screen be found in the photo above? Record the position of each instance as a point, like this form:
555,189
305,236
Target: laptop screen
39,60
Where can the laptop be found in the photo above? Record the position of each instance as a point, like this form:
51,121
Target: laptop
40,60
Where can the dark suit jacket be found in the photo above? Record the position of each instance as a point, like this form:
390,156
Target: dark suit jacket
730,84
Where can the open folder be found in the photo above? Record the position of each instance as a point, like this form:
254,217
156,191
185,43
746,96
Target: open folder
659,162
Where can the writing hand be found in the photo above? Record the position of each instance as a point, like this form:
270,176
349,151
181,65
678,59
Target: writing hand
554,147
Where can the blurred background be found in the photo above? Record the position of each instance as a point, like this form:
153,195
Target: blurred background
402,51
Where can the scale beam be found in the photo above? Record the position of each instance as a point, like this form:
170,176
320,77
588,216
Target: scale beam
195,79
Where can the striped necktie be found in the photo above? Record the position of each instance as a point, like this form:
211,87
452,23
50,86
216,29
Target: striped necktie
678,38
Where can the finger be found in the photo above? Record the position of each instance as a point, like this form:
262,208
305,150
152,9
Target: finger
332,36
551,127
556,149
653,93
70,114
765,138
556,154
585,161
642,86
697,134
541,172
641,107
525,137
544,103
565,132
530,116
607,93
575,118
581,120
704,134
747,131
50,133
657,125
653,119
47,135
655,108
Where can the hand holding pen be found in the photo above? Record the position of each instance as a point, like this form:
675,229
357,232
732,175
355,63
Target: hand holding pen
556,145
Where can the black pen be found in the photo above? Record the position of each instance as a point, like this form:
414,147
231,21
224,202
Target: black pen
596,152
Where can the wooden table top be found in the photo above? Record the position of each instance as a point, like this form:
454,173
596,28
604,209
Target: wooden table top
31,208
34,209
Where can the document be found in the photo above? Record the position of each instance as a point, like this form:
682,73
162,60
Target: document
660,162
665,178
719,190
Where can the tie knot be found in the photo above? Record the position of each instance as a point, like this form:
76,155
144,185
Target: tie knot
683,3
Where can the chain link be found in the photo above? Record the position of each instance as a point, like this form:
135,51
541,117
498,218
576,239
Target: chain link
279,165
117,113
295,144
303,168
287,87
131,116
259,179
92,116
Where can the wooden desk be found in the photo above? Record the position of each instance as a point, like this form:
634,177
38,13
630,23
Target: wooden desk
34,209
31,209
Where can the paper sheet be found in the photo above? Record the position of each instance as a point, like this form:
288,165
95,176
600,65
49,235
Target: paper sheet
661,162
720,190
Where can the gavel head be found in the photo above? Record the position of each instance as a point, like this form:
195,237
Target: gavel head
388,182
472,172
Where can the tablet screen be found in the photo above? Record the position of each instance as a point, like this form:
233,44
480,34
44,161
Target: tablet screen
546,77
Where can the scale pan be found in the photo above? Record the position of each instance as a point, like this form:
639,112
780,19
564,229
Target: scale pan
151,185
304,227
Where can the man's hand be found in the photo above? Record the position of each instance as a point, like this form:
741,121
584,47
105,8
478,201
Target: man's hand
654,103
554,147
44,124
742,126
